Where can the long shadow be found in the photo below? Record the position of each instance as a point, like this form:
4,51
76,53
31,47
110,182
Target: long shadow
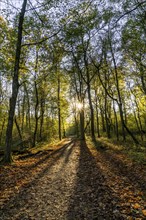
28,169
92,198
14,201
57,153
119,166
69,152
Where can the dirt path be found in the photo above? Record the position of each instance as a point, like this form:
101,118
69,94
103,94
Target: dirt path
72,183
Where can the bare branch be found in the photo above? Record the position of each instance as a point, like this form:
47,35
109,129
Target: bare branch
128,12
41,41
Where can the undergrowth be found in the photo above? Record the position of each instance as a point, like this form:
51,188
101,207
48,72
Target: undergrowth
134,153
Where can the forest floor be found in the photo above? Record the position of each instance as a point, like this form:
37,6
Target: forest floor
73,181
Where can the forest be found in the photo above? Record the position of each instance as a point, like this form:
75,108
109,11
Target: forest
72,109
72,68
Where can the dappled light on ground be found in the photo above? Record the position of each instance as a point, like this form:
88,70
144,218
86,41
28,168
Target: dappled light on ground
75,181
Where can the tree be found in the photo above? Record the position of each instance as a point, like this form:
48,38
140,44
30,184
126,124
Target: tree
83,53
15,86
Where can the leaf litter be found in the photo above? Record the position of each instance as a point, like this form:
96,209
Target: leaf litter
75,181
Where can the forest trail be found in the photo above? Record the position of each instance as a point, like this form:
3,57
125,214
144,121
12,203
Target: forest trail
74,182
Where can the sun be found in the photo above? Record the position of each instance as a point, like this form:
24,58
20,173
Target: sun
79,105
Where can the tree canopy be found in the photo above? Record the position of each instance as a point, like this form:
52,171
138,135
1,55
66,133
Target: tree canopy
72,68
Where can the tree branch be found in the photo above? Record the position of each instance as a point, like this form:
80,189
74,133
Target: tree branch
128,12
41,41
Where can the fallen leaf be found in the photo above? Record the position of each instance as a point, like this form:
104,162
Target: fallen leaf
144,212
136,206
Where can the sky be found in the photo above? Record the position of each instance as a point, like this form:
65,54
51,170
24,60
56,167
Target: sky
7,5
4,4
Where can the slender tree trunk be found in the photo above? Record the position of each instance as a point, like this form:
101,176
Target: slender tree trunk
89,96
106,117
19,132
76,124
2,129
97,115
91,112
42,108
103,120
23,112
122,121
116,122
119,94
124,126
15,87
64,132
36,104
97,120
88,81
139,125
125,114
59,109
28,123
36,117
18,107
142,77
80,94
82,133
102,116
139,120
136,121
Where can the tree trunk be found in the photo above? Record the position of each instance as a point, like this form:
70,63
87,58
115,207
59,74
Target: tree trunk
64,132
91,112
116,122
42,109
88,81
97,118
59,109
106,117
2,129
36,104
23,111
15,87
119,94
82,133
19,132
28,123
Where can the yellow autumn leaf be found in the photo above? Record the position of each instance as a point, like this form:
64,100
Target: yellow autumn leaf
136,206
144,212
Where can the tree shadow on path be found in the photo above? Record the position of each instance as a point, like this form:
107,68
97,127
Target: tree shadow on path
29,168
92,198
20,198
133,172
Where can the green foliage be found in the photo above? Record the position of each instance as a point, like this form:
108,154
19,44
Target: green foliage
89,40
